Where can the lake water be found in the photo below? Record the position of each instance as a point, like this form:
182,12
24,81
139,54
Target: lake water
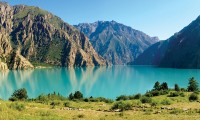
106,82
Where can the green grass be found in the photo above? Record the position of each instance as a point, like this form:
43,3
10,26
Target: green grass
30,10
180,108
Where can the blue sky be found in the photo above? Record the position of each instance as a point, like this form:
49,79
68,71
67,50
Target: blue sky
160,18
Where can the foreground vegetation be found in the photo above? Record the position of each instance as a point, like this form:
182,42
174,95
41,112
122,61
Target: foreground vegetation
160,103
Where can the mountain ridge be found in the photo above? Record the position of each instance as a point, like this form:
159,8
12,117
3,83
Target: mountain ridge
182,50
117,43
41,37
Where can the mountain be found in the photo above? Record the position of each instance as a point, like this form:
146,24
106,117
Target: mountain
152,55
31,36
117,43
182,50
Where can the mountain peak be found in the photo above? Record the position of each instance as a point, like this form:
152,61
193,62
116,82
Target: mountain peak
117,43
37,36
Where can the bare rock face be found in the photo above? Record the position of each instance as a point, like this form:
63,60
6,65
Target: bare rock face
19,62
117,43
31,35
6,15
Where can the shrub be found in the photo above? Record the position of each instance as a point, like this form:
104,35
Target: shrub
148,94
17,106
55,103
164,92
173,94
81,116
20,94
50,97
193,85
122,97
99,99
155,93
86,100
182,94
176,111
193,97
145,99
122,105
42,98
137,96
66,104
166,102
154,103
183,90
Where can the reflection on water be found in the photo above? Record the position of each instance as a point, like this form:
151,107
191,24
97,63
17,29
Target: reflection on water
91,81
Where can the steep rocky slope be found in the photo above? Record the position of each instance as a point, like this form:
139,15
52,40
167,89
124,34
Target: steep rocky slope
182,50
29,35
117,43
152,55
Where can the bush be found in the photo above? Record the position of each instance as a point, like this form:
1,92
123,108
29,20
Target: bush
17,106
183,90
50,97
193,97
20,94
55,103
173,94
99,99
42,98
122,105
137,96
155,93
122,97
81,116
145,99
148,94
176,111
166,102
66,104
164,92
130,97
154,103
86,100
182,94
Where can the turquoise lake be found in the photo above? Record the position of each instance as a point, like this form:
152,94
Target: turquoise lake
108,82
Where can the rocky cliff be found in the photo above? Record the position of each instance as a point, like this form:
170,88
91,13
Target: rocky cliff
117,43
30,35
182,50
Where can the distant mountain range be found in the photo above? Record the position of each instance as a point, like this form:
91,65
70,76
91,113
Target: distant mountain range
117,43
182,50
31,36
